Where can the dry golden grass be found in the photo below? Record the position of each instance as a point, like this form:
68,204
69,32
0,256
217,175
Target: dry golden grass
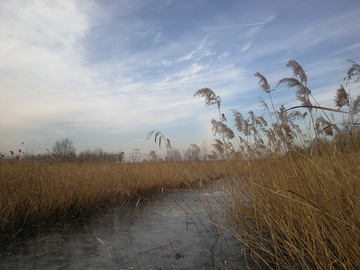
299,212
43,193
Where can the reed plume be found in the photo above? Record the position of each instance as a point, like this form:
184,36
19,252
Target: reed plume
160,138
264,85
354,71
210,97
221,129
218,127
341,98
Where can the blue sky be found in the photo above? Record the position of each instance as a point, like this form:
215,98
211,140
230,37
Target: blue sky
106,73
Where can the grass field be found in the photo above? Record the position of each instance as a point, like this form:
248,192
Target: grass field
42,193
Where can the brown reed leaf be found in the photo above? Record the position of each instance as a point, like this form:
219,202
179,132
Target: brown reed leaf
318,107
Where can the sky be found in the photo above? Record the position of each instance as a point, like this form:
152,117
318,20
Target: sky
106,73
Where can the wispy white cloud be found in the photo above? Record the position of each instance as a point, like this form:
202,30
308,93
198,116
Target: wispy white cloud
193,70
186,57
246,46
158,38
203,44
200,51
224,55
348,49
253,31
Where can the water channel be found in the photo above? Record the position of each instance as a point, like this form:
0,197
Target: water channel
167,232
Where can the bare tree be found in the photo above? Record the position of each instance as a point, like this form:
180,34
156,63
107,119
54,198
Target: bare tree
173,155
64,148
98,154
204,150
135,156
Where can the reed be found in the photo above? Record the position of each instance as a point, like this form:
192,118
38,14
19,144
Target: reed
299,212
296,203
48,193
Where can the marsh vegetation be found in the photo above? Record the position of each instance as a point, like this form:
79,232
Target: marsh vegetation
296,203
292,196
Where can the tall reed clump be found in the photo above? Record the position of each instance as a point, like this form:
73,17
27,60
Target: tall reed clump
299,212
49,193
296,203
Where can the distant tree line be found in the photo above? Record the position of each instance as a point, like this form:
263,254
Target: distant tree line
64,151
